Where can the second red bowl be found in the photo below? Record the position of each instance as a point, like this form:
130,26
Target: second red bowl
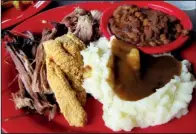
161,6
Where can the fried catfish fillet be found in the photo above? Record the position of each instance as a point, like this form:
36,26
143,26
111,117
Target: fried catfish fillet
65,52
72,45
65,75
66,97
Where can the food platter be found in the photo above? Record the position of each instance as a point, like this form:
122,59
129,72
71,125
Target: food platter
13,16
38,123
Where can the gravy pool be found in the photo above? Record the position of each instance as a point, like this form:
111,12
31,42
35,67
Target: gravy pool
137,75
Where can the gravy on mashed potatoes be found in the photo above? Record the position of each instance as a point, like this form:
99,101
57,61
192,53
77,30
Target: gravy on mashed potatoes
165,103
137,75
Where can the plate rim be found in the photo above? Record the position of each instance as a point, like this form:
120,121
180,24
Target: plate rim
15,20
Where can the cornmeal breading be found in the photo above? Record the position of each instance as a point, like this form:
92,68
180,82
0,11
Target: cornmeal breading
72,37
65,75
65,95
69,65
72,45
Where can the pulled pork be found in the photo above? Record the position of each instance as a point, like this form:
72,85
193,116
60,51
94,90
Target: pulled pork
40,104
40,83
34,91
84,24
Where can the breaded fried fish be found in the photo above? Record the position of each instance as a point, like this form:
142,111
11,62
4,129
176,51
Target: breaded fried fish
66,97
69,65
64,63
72,45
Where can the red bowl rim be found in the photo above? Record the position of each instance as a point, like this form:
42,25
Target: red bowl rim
163,6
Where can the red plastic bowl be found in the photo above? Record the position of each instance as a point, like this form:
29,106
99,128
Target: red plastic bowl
161,6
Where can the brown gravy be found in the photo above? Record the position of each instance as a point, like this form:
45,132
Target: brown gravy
145,73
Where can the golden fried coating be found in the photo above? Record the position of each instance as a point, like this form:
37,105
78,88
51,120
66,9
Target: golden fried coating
65,75
69,65
66,97
72,45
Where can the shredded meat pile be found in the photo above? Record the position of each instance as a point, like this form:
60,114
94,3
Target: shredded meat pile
29,58
84,24
144,26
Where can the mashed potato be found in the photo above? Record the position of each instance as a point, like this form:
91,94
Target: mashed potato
165,104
